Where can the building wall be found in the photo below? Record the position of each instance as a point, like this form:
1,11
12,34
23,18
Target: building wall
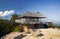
33,26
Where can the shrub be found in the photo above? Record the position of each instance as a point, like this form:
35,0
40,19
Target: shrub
18,28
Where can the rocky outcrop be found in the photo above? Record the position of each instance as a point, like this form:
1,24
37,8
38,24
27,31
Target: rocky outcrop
39,34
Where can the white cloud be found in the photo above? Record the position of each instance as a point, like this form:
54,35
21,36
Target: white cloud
5,13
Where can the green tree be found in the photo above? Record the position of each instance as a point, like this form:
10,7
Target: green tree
4,27
7,26
12,21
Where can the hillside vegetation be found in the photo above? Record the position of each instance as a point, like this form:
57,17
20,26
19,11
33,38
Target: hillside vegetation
7,26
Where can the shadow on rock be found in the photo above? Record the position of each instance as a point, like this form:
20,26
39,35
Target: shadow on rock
40,35
20,36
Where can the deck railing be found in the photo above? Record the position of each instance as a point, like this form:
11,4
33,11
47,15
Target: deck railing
28,22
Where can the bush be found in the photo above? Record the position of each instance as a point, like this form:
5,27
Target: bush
51,25
18,28
4,27
58,27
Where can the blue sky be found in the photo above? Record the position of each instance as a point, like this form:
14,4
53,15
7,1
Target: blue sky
49,8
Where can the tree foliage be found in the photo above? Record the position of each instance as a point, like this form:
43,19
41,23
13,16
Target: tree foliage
12,21
50,24
7,26
18,28
4,27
